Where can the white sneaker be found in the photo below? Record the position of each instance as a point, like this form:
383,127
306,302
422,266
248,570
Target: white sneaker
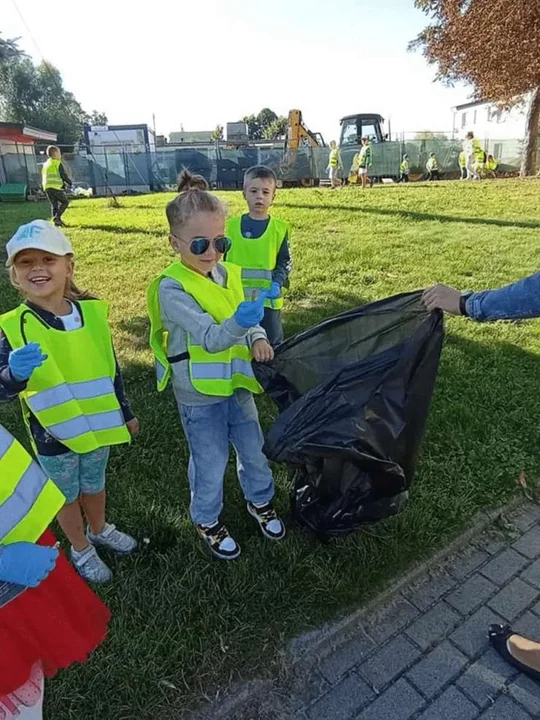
110,537
90,566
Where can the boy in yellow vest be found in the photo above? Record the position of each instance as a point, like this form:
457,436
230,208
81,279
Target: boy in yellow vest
260,245
55,180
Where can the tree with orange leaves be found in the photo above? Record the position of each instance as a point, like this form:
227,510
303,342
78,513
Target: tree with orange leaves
494,45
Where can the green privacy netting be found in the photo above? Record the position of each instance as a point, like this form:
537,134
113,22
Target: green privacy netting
126,171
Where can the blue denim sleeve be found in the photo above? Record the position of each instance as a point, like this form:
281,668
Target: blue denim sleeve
520,300
283,267
9,388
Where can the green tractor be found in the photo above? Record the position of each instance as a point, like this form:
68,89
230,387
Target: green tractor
386,153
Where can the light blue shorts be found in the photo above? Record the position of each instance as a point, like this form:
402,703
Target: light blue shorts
77,474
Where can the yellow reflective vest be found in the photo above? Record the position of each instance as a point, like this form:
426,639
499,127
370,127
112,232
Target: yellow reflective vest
334,159
72,394
257,256
50,175
28,499
492,165
218,374
462,159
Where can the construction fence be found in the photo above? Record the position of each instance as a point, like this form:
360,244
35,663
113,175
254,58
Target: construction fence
124,171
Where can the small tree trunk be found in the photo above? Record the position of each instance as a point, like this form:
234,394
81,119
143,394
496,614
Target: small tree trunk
528,161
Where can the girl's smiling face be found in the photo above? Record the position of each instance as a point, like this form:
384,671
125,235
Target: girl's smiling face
42,275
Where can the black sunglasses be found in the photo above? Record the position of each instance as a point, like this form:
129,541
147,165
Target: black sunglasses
200,245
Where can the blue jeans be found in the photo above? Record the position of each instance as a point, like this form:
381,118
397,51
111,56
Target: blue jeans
209,429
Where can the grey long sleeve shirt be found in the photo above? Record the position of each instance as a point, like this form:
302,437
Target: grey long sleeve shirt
182,315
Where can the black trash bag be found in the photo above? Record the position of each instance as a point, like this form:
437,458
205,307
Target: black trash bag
354,395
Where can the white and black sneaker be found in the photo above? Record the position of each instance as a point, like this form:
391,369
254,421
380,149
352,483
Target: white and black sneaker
271,525
219,541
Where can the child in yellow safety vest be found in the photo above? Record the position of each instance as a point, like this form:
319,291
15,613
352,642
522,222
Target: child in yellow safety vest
56,353
462,161
55,180
204,336
433,168
365,160
404,169
491,166
353,172
49,617
335,165
260,246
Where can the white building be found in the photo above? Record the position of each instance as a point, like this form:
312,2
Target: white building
190,137
117,138
501,132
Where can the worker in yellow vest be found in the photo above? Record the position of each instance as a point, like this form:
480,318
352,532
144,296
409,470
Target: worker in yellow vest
204,335
49,618
491,166
335,165
56,353
462,162
55,180
260,246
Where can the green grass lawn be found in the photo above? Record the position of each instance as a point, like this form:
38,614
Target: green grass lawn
184,624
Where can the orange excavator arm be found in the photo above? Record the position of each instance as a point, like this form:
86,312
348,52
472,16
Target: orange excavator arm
298,135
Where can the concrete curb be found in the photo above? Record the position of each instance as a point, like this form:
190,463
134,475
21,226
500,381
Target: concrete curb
247,700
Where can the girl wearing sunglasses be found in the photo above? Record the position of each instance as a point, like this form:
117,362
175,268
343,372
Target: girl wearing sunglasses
204,336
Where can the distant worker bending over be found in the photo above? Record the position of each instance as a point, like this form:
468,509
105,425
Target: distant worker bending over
55,180
335,164
433,167
491,166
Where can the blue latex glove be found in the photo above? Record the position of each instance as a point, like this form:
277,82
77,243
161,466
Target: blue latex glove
23,361
24,563
250,312
275,291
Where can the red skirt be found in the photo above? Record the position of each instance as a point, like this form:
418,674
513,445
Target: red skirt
57,623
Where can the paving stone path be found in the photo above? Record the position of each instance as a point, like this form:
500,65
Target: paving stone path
426,656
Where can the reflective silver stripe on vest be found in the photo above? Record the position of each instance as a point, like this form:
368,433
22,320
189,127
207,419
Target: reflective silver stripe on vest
85,390
20,502
160,370
257,275
6,441
221,371
70,429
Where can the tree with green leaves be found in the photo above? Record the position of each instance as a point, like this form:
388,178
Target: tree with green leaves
277,130
98,118
217,133
492,45
266,125
35,95
9,49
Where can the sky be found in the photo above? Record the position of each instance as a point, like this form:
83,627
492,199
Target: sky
198,64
